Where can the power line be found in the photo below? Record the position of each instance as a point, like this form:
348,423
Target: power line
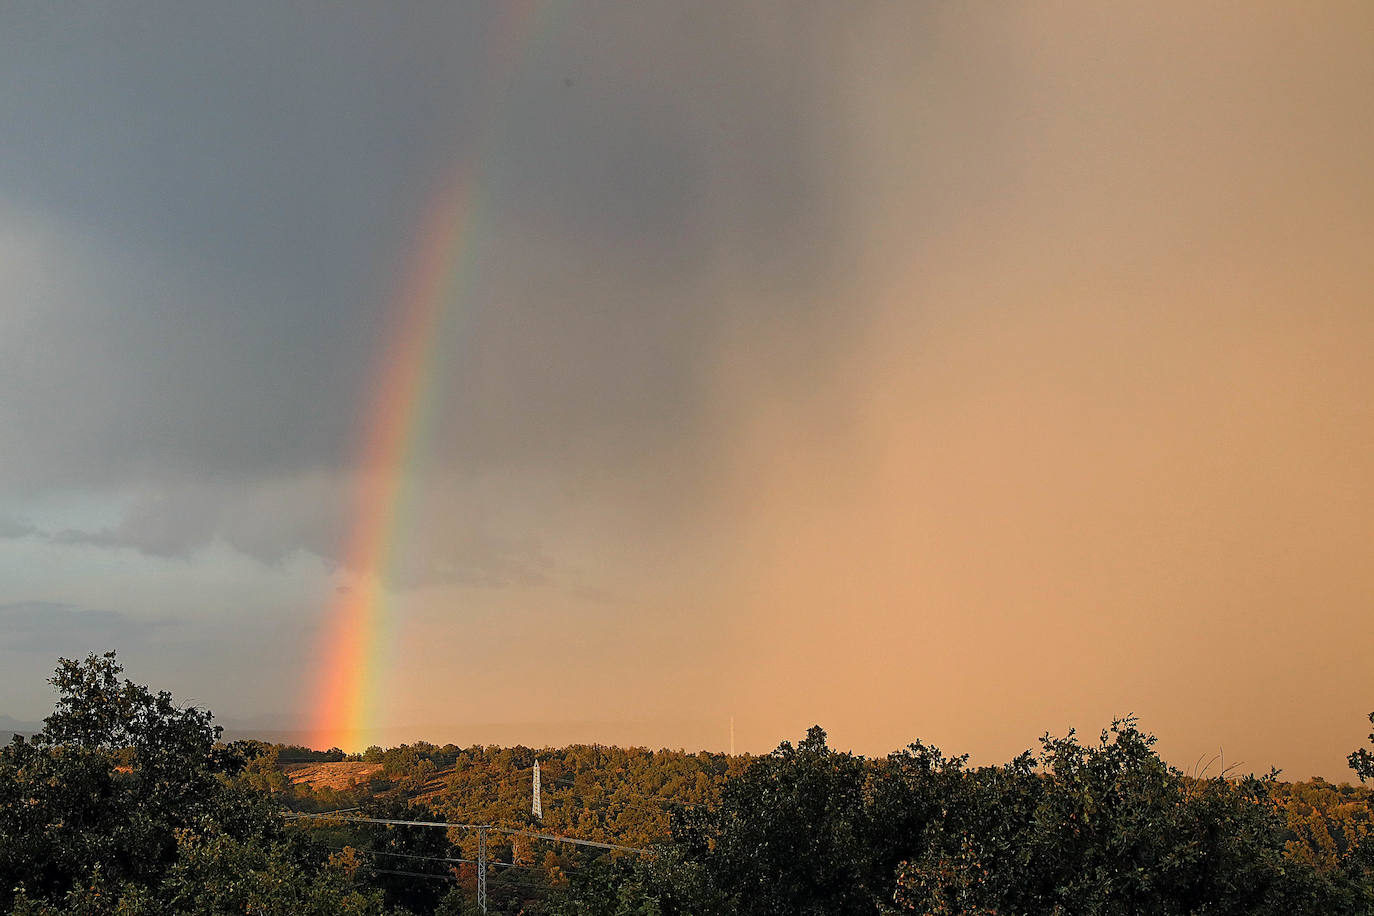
506,830
409,874
323,813
482,830
567,839
411,855
649,803
379,820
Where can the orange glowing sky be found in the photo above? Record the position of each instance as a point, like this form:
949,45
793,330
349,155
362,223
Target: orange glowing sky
1098,437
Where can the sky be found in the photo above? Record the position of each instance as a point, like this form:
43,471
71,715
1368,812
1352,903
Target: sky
959,372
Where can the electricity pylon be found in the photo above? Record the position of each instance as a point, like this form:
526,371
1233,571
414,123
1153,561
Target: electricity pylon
482,869
536,808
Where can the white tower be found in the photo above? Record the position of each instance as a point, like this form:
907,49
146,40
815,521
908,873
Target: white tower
535,807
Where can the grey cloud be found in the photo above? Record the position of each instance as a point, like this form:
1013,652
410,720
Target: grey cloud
462,543
253,136
53,628
266,523
11,528
117,371
224,196
279,518
159,525
462,540
206,217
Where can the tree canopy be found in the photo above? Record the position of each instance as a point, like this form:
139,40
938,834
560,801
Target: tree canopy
122,803
126,803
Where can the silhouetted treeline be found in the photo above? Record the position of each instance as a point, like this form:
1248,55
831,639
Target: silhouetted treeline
295,753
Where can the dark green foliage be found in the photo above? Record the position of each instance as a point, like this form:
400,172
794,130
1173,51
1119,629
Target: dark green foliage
396,848
1109,829
116,771
123,803
909,798
1097,829
665,884
213,873
1362,761
295,753
789,834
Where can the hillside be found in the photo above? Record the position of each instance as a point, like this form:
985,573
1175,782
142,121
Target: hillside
611,794
625,795
337,775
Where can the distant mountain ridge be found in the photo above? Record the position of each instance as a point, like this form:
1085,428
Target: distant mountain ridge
10,726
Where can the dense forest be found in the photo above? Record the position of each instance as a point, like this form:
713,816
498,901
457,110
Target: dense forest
127,803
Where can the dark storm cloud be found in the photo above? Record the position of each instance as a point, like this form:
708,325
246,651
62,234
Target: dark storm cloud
11,528
215,202
256,136
274,522
159,526
51,628
269,524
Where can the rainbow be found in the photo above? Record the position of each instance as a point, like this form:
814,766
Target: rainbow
393,430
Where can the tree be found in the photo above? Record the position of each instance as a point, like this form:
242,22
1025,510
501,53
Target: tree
123,803
213,873
1097,829
1111,829
1361,760
789,834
